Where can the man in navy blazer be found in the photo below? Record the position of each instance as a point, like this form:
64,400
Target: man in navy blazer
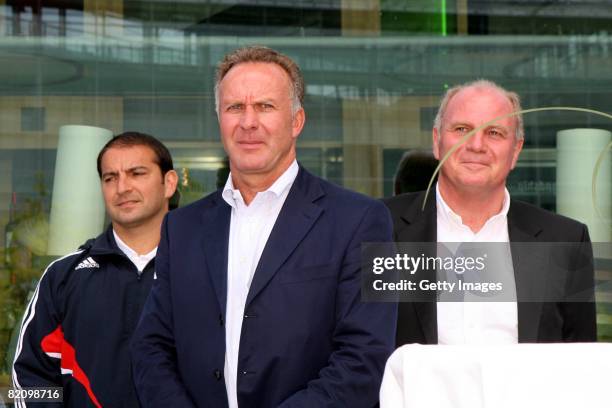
257,301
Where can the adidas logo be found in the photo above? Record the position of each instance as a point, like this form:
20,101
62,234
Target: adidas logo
87,263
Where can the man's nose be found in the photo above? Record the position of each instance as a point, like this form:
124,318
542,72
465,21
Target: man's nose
249,119
476,142
123,184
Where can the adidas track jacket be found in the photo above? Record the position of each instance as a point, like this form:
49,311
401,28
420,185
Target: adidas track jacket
76,330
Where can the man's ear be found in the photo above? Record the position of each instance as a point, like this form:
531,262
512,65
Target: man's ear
435,143
517,150
170,182
297,123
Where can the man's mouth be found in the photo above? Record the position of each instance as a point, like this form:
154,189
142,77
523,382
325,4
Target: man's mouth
474,163
250,144
475,166
127,203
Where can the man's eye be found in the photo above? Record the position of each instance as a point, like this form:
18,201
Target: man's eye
266,106
496,133
234,108
107,179
461,129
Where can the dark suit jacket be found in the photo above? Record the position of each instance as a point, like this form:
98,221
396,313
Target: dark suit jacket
537,321
307,339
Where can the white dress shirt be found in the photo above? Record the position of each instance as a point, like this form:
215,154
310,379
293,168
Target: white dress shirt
250,228
483,322
140,261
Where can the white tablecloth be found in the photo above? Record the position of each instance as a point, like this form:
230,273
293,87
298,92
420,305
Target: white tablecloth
577,375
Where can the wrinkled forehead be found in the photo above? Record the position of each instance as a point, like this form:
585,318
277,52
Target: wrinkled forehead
478,105
261,76
119,158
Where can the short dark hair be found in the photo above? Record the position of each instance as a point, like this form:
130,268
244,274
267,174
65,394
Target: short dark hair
129,139
258,53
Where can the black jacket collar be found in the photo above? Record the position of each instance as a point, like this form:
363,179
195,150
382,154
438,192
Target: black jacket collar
104,244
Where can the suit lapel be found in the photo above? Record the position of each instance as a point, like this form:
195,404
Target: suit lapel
421,226
215,240
528,285
298,215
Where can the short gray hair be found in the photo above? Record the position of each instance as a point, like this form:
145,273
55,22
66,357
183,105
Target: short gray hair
258,53
513,97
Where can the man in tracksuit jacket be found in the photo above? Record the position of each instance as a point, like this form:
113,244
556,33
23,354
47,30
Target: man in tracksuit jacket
76,330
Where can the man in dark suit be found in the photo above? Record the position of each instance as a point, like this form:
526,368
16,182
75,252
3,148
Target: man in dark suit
471,204
257,301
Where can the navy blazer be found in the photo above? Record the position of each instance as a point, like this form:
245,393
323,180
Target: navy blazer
541,322
307,338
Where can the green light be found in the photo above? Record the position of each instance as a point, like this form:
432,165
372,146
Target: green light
443,17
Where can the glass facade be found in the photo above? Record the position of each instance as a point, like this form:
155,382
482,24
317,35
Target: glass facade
375,70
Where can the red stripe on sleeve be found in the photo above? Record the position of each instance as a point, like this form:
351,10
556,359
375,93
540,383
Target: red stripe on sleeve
55,343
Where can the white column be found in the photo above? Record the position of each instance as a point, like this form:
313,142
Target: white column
577,154
77,207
